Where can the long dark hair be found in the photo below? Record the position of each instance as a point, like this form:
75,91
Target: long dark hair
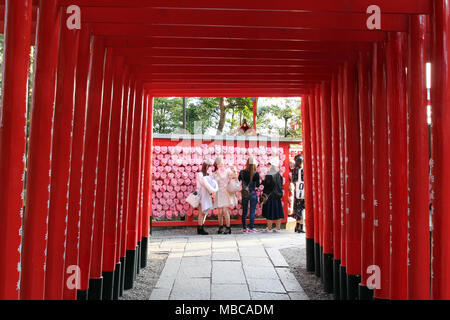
251,168
205,168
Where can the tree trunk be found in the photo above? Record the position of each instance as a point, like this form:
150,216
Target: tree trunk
223,113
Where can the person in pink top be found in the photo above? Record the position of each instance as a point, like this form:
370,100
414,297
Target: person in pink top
223,200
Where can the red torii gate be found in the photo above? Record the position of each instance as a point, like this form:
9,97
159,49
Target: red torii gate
87,200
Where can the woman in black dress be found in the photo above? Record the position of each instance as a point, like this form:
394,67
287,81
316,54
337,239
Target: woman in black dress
273,187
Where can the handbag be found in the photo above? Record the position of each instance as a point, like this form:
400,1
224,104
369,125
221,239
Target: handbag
264,198
193,199
245,192
234,186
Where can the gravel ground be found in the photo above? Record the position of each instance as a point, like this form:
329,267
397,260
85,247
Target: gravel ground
296,258
147,278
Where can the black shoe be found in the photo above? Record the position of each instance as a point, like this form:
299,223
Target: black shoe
201,231
301,229
297,228
227,230
220,230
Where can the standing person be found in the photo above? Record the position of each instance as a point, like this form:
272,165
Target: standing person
206,187
251,180
299,193
223,201
273,187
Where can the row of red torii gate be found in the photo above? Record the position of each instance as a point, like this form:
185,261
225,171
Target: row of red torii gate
87,193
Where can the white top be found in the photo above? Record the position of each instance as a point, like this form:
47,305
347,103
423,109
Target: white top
223,199
206,186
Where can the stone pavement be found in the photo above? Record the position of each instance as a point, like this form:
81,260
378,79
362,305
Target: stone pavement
227,267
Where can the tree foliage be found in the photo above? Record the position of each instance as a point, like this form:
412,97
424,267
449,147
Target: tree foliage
209,117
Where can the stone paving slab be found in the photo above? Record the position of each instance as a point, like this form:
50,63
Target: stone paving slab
183,289
260,272
226,267
266,285
227,272
277,258
269,296
160,294
230,292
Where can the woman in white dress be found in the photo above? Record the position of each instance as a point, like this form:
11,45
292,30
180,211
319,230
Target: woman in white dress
223,200
206,187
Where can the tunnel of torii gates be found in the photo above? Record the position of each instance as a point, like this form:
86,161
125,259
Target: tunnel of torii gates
366,139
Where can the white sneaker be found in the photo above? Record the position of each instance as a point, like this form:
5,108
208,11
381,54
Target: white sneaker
266,231
277,230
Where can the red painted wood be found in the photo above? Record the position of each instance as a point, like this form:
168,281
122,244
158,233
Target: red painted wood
319,162
12,142
38,177
113,174
307,167
147,201
223,53
258,44
352,169
343,215
244,18
381,169
135,169
314,164
440,150
126,201
398,6
74,211
327,162
143,164
123,147
396,102
366,145
101,171
129,26
418,164
93,115
336,162
60,165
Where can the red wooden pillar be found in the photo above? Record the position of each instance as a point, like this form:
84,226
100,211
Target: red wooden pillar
147,205
343,267
312,108
126,201
18,16
74,210
95,277
365,122
94,104
336,184
381,210
353,180
396,103
141,179
133,190
120,260
39,154
307,173
418,154
60,164
319,174
112,182
142,256
440,100
327,186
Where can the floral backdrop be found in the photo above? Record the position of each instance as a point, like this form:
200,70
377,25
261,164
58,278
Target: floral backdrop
175,169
